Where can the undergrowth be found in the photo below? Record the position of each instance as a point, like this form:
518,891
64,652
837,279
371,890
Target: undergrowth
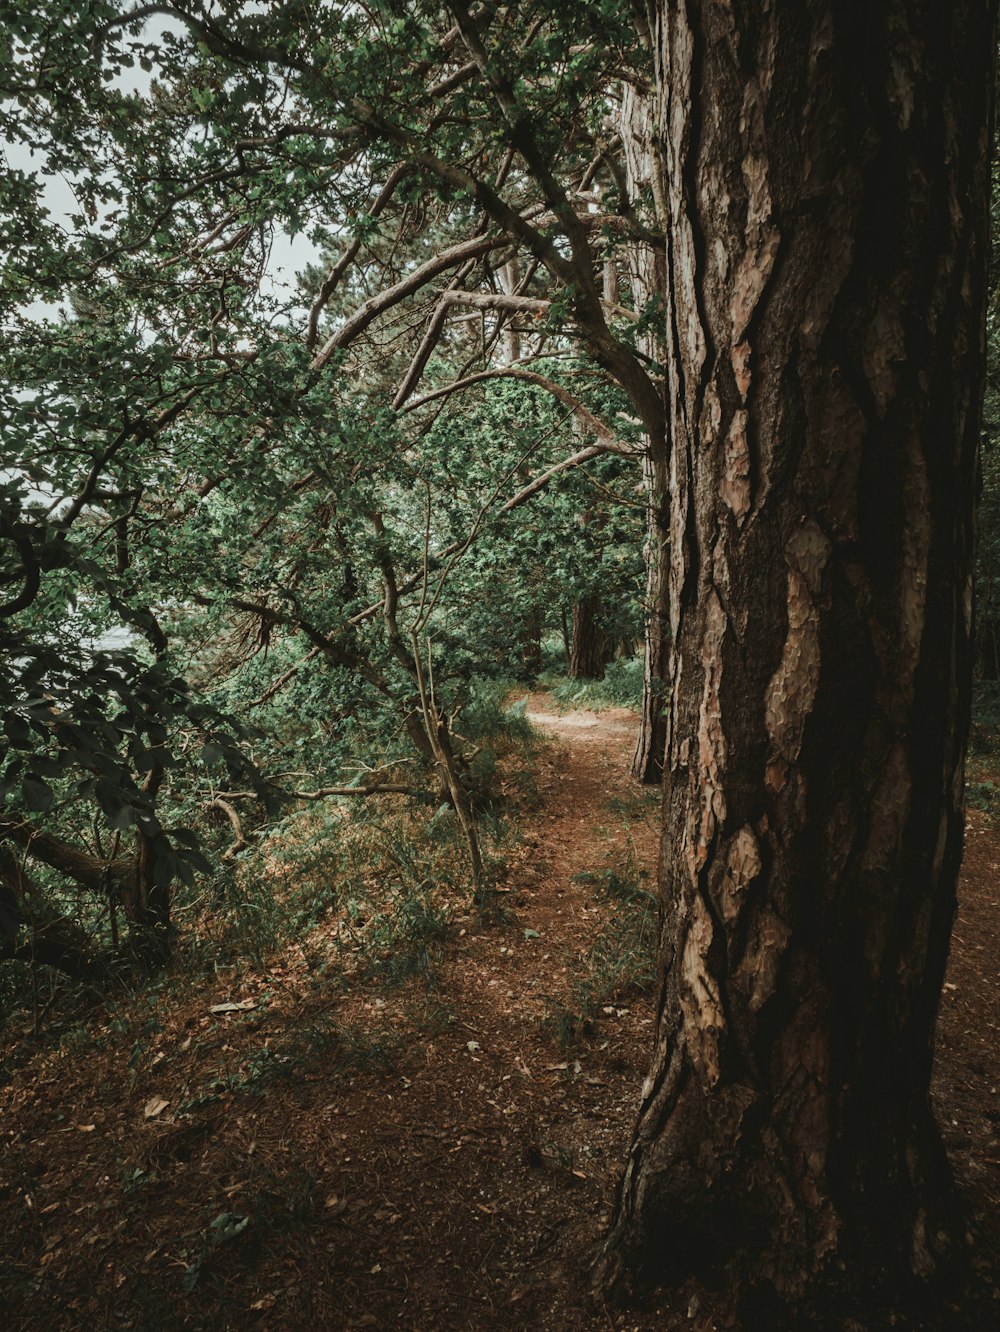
621,687
982,769
366,889
622,960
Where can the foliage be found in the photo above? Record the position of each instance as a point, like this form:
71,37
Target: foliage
621,687
621,960
234,569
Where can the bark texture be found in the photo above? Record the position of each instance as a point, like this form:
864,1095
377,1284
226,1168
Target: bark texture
589,646
826,171
647,280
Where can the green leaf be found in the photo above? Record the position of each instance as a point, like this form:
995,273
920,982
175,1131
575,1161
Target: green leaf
18,731
37,794
227,1225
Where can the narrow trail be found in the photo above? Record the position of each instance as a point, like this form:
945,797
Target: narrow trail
458,1181
576,820
434,1155
530,1132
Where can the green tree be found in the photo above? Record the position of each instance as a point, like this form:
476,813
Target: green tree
765,230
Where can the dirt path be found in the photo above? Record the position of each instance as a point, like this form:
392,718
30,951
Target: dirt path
454,1180
438,1155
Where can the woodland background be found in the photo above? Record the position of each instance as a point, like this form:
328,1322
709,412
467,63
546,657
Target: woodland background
333,457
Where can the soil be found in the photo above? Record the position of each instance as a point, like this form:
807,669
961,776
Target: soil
439,1154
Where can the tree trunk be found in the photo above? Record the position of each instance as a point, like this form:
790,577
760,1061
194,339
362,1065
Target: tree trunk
647,278
589,647
827,175
146,895
51,941
531,642
647,760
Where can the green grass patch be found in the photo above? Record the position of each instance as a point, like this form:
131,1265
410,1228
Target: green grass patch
620,688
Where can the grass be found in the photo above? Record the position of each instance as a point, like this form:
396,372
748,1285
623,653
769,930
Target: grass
400,940
982,769
622,959
489,714
363,895
621,687
635,805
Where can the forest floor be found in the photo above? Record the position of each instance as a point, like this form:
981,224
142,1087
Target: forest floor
279,1150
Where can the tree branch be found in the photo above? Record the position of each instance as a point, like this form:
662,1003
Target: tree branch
333,279
65,857
384,300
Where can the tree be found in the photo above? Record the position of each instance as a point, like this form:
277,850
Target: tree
827,175
815,176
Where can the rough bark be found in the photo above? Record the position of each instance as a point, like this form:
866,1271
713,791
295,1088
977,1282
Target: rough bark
65,857
826,168
651,742
647,280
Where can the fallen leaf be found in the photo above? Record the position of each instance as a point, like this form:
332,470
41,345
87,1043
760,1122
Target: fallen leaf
243,1006
153,1107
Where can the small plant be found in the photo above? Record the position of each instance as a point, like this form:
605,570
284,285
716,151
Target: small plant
135,1179
635,805
981,795
618,885
622,960
226,1227
488,715
406,938
364,1049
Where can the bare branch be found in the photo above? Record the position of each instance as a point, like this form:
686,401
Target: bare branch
610,442
498,300
384,300
432,334
241,843
382,788
333,279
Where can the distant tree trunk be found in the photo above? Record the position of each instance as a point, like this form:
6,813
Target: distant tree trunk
827,170
531,642
589,645
146,894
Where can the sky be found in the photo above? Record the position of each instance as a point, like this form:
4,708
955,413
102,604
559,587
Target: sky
288,255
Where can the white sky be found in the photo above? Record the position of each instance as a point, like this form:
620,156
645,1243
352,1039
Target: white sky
287,255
